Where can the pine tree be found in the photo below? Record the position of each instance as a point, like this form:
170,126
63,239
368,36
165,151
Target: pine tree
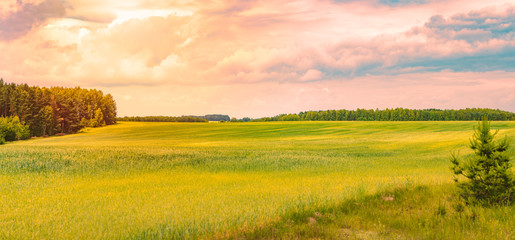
490,180
46,116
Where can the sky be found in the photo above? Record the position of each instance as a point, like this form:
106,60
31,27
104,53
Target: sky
254,58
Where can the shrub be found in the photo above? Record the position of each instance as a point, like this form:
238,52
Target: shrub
2,138
11,129
489,179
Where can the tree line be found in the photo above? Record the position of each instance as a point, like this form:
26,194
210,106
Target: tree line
216,117
397,114
205,118
49,111
162,119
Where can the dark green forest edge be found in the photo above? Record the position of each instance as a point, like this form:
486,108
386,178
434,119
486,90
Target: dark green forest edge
206,118
161,119
32,111
397,114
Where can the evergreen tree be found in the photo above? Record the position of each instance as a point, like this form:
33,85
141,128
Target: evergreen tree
489,178
46,117
66,107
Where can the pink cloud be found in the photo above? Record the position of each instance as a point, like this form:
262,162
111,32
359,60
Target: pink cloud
27,16
268,41
338,52
310,75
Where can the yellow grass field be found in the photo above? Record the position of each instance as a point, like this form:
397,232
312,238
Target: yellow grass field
198,180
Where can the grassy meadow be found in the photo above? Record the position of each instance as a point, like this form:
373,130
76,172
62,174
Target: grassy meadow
251,180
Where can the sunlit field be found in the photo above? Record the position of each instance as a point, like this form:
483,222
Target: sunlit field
200,180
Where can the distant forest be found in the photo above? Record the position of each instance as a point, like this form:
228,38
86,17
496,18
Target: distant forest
37,111
162,119
206,118
397,114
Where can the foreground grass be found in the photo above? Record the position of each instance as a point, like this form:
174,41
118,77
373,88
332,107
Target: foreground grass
200,180
420,212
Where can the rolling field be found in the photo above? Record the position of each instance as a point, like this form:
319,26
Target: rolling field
199,180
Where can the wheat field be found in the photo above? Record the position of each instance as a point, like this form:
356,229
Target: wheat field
198,180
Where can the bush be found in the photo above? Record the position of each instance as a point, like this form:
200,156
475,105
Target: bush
489,178
11,129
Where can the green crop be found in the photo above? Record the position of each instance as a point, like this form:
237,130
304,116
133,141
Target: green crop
193,180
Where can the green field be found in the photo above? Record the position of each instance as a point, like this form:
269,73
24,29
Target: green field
204,180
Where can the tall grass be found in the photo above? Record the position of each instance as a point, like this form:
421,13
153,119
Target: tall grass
193,180
417,212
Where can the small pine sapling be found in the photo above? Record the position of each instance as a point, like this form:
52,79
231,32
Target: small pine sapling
488,177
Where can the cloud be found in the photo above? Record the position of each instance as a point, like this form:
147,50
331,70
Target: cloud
393,3
227,42
479,41
476,26
28,16
311,74
402,2
287,45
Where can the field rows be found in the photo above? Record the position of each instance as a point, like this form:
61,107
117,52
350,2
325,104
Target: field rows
177,180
